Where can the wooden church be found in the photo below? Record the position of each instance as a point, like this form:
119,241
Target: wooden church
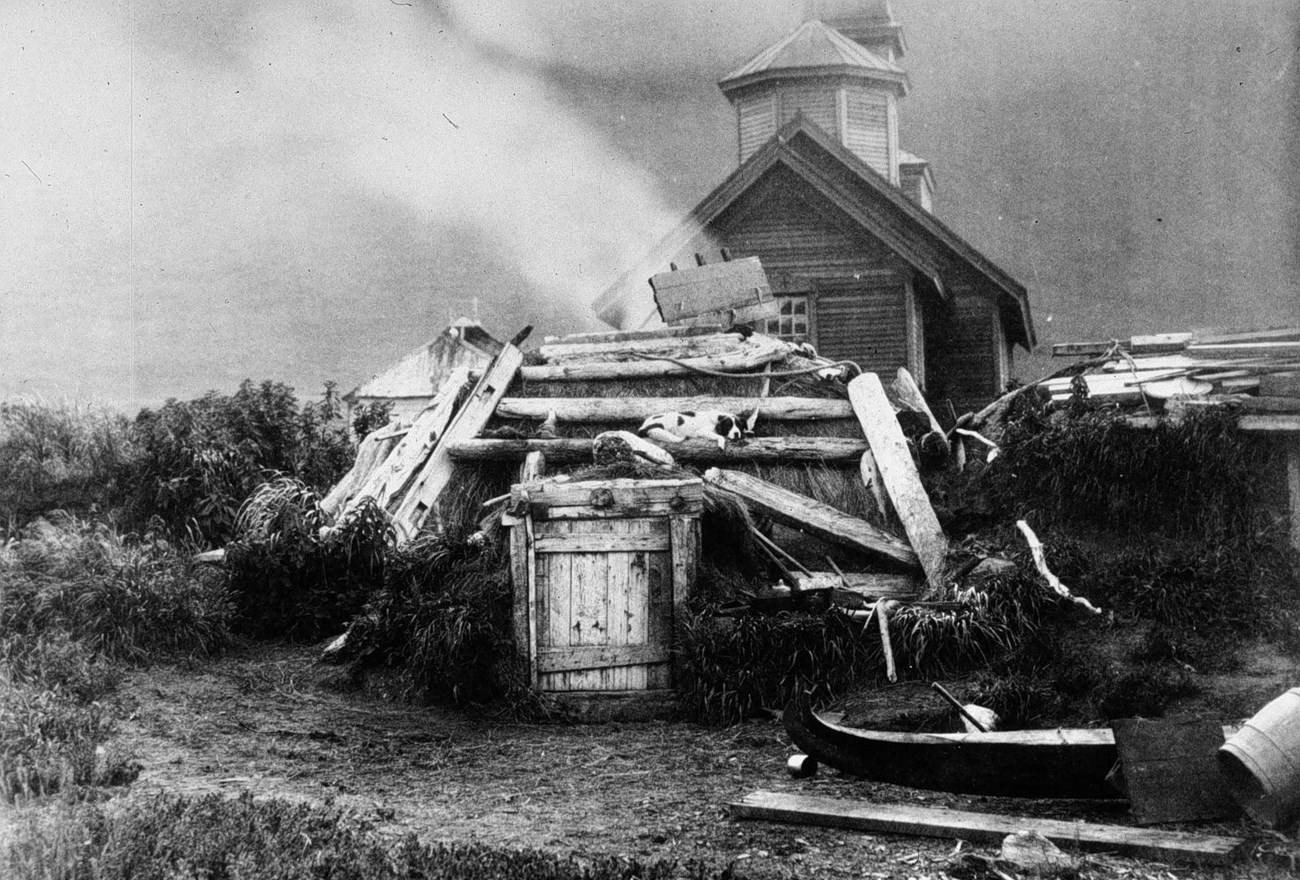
840,216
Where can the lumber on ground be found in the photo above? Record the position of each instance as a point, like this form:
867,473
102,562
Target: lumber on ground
898,473
831,450
1169,771
813,517
389,480
1159,343
1144,843
636,409
1246,349
754,353
422,497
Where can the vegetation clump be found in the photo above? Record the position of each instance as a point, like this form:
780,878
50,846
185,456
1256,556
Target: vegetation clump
167,836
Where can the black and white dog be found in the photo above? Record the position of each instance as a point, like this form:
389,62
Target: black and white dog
674,427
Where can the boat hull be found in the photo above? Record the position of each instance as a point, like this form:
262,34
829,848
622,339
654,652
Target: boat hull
1063,763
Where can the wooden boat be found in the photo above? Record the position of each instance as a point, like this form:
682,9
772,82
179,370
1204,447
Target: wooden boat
1062,763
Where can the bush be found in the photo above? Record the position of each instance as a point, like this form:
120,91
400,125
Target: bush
293,575
169,836
199,460
1200,478
124,598
443,621
58,456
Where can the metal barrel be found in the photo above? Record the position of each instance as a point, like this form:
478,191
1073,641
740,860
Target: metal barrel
1261,763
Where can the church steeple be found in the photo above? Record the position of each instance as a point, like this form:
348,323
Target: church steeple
869,22
839,83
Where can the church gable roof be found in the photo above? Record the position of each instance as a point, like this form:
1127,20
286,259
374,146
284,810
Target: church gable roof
921,239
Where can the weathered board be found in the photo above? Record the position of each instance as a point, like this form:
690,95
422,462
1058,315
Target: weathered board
774,450
987,828
898,472
813,517
387,482
599,567
636,409
421,498
752,354
1169,770
700,290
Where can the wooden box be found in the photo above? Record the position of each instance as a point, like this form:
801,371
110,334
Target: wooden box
599,568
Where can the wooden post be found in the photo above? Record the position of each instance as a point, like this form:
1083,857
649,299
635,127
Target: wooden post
898,472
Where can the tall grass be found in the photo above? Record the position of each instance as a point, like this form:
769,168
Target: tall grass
58,455
77,599
293,574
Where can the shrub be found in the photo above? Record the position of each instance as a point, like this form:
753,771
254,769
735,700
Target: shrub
170,836
58,456
125,598
1198,478
198,460
293,575
729,667
443,621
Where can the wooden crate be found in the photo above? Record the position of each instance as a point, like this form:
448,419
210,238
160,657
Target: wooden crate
599,569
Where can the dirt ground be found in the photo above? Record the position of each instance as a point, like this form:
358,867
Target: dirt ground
257,720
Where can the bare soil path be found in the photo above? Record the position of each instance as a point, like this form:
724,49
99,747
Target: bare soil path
255,721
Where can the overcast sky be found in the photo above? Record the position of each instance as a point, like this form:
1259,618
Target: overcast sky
307,189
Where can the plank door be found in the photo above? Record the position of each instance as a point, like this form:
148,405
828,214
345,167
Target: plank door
604,602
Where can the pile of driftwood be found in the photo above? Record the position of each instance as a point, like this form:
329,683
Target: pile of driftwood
1257,371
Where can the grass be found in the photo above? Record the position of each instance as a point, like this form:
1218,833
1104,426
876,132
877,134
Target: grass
217,838
58,455
78,599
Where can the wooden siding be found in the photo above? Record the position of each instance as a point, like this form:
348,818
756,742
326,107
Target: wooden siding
868,122
798,242
864,324
756,118
816,101
971,356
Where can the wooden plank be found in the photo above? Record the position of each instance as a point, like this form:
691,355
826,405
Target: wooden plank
600,657
1170,772
422,496
591,543
752,355
685,556
1274,335
628,335
684,494
813,517
553,572
871,478
388,482
699,289
1246,349
533,467
898,472
1271,424
1158,342
1144,843
654,624
707,345
877,585
522,607
637,409
729,317
844,451
1263,404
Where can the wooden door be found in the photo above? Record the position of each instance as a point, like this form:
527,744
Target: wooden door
604,604
599,568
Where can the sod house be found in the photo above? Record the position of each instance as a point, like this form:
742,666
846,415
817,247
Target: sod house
840,217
